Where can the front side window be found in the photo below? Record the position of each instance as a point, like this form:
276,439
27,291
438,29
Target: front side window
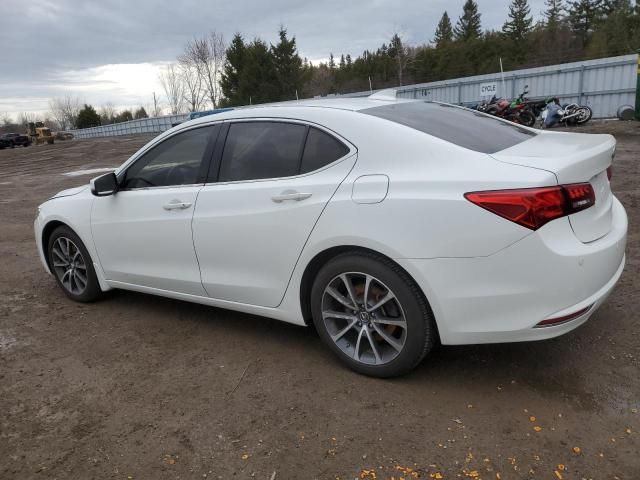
256,150
175,161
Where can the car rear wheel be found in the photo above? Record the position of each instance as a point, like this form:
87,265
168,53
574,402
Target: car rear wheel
372,315
71,264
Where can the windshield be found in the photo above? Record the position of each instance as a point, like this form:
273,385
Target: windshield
461,126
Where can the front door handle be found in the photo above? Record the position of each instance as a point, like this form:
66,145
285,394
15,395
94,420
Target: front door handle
290,195
176,205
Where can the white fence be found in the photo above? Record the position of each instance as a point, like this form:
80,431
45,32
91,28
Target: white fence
133,127
604,84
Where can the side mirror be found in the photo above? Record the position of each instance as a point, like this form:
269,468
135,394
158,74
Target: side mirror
104,185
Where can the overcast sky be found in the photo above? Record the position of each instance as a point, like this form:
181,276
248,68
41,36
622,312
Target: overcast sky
111,50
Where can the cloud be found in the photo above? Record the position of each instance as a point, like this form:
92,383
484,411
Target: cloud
110,50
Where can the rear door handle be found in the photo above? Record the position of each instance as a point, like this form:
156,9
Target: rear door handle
290,195
176,205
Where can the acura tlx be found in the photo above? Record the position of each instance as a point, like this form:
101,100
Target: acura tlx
388,224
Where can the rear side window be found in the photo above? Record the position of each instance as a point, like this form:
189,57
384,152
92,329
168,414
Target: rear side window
321,149
255,150
460,126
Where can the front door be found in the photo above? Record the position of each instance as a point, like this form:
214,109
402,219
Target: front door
143,232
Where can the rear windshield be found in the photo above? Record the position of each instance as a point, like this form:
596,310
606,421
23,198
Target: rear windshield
461,126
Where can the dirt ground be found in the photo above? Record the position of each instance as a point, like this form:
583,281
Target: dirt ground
141,387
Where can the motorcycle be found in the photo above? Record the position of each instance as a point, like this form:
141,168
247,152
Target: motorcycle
571,114
516,111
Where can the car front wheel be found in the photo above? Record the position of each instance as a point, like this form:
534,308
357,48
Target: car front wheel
372,315
71,264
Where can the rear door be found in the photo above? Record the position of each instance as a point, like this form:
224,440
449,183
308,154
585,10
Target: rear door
269,183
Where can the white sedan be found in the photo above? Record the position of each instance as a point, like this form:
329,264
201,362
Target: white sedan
389,224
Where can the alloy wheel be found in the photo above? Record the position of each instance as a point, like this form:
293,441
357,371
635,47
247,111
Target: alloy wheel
364,318
69,265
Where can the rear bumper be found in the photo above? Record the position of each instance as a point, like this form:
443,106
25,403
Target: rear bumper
502,297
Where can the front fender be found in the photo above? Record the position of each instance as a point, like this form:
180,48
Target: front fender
74,212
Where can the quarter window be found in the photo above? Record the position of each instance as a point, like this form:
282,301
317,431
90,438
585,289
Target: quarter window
175,161
255,150
321,149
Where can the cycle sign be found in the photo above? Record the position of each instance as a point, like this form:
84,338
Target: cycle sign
488,89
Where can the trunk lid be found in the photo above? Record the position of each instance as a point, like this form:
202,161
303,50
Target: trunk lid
572,158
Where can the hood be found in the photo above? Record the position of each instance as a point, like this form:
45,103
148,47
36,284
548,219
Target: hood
70,191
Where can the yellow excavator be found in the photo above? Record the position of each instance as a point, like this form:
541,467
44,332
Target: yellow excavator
39,133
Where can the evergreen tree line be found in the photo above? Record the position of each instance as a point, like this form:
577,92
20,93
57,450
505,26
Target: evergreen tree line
569,30
211,74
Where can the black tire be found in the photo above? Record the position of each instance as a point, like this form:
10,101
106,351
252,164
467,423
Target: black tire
91,290
527,118
421,331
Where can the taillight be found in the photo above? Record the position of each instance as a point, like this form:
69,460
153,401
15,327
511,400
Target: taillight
610,172
533,207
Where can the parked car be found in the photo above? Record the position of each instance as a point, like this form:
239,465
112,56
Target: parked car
390,225
64,136
4,143
16,139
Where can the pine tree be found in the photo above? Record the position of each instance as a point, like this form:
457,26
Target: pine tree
553,14
583,15
519,21
618,32
88,117
444,32
232,71
258,77
288,65
468,26
140,113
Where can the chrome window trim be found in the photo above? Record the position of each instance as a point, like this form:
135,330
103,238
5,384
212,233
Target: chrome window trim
163,187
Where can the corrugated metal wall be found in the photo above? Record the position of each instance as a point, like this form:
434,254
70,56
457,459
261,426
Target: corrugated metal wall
604,84
144,125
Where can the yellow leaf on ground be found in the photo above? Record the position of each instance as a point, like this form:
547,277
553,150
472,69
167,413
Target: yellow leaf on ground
532,418
537,428
577,450
245,456
558,474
